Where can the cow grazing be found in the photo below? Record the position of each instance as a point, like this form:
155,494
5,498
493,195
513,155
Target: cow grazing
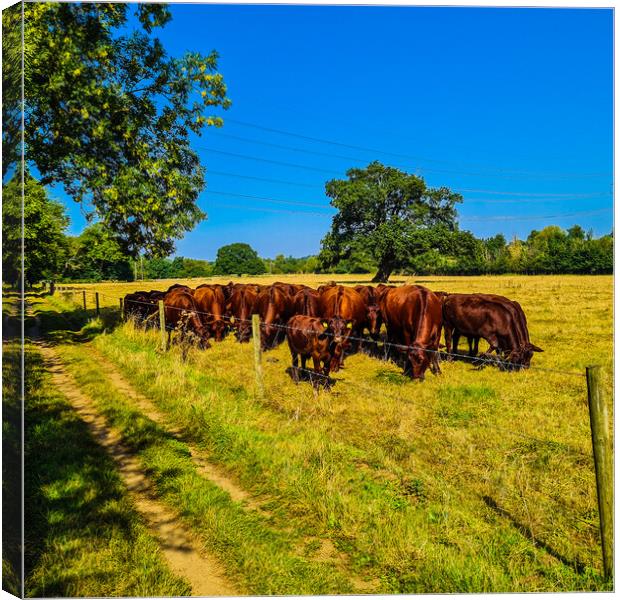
346,303
139,306
211,304
497,319
413,318
274,306
307,302
181,313
321,340
239,309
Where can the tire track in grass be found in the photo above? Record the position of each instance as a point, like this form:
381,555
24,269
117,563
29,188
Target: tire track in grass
203,465
326,552
202,571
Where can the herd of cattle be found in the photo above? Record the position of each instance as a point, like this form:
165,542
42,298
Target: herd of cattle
333,321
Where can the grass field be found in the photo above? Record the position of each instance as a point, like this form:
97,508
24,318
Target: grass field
471,481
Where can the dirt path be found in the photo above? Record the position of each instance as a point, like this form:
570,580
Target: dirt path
326,552
203,572
205,467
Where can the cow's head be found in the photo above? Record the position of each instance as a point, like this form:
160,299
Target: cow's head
336,328
374,320
523,356
420,360
218,328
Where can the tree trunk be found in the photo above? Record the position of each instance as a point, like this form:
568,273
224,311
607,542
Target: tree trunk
383,274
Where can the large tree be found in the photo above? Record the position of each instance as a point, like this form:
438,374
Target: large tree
109,114
238,259
384,212
45,244
95,255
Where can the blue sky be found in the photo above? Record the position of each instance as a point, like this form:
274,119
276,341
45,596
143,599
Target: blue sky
512,107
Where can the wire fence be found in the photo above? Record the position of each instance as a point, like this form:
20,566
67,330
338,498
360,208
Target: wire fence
320,380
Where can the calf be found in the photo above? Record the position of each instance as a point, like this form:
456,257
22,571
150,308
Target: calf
310,337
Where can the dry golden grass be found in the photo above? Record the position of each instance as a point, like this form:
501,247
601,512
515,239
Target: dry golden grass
498,464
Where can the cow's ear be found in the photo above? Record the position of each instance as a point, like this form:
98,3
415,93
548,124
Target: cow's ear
349,325
535,348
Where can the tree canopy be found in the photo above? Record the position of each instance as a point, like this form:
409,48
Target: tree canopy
238,259
45,244
109,114
386,214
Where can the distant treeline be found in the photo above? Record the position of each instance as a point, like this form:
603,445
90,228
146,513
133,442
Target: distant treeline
432,246
550,251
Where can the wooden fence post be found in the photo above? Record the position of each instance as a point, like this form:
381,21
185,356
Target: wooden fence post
84,298
258,367
162,325
120,301
97,303
603,464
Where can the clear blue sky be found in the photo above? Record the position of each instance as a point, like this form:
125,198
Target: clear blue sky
504,100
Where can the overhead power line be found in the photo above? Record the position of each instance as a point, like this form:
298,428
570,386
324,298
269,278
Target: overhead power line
268,199
530,197
490,171
266,160
583,213
325,214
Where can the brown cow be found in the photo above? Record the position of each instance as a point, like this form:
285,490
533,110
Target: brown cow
181,313
321,340
346,303
497,319
239,309
212,306
412,315
307,302
139,306
274,306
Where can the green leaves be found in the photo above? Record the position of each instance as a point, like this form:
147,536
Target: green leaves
45,245
109,116
382,212
238,259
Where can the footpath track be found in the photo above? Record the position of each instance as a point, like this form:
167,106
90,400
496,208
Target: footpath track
180,548
215,474
203,465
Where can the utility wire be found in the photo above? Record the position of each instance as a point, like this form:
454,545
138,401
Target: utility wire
541,195
503,172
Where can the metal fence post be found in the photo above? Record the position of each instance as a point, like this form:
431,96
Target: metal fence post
97,303
84,298
120,301
603,464
258,367
162,325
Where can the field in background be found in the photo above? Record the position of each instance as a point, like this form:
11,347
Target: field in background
470,481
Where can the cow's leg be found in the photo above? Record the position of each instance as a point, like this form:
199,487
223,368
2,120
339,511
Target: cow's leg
456,334
447,332
295,360
476,343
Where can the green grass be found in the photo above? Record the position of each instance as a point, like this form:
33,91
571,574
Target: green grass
262,559
83,536
11,465
471,481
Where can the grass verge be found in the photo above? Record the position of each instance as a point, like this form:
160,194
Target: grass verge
83,536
